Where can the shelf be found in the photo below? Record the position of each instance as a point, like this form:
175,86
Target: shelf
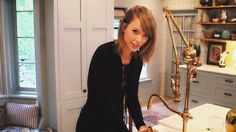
215,7
218,23
216,40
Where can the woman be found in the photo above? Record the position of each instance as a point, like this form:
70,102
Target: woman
114,72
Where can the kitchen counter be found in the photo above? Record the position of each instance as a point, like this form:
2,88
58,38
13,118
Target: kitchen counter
215,69
199,123
162,128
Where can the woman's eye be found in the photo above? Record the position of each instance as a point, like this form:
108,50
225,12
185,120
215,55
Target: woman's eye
135,31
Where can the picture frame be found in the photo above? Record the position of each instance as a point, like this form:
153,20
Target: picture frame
214,51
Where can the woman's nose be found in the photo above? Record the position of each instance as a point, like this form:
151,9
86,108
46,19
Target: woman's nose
139,38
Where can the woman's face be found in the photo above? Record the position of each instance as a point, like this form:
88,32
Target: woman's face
134,36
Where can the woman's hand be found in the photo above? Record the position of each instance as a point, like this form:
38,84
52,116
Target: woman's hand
143,129
146,129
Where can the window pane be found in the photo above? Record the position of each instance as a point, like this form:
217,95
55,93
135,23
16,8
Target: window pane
26,50
116,23
115,34
25,44
26,56
25,24
23,5
144,71
27,77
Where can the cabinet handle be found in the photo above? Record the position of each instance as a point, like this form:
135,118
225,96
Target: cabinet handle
227,94
229,81
194,101
195,81
84,90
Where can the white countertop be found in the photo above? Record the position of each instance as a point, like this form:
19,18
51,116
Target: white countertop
199,123
162,128
215,69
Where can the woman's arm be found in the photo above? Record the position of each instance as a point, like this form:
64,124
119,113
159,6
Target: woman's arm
132,97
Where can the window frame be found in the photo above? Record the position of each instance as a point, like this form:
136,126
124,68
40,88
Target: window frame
8,58
180,17
18,88
1,50
148,72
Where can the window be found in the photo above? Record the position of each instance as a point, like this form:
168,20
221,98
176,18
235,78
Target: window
144,72
186,24
116,28
19,35
25,44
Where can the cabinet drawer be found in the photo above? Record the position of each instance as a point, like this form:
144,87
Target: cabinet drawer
225,95
226,81
196,101
199,86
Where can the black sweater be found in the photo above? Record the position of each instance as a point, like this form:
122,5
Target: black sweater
104,104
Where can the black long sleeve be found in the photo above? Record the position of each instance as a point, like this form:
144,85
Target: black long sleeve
100,82
104,104
132,97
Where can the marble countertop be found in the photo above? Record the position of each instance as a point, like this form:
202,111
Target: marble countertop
215,69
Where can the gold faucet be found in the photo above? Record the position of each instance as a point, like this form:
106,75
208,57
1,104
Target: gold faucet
189,55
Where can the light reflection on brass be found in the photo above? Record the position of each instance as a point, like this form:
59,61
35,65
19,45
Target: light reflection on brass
189,55
230,120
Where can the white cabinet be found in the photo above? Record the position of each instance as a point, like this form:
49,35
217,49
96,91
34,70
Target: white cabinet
213,86
74,29
199,88
224,90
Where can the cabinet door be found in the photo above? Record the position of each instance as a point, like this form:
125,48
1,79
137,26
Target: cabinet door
195,101
82,26
200,85
69,115
71,45
199,89
225,90
225,96
100,16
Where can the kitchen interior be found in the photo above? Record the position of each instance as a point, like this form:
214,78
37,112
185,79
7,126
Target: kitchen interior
210,23
204,92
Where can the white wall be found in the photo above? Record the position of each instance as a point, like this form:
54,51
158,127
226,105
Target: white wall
150,87
49,40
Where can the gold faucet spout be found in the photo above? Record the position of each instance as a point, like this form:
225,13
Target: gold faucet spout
150,101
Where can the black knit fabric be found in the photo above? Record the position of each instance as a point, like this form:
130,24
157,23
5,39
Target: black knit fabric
103,110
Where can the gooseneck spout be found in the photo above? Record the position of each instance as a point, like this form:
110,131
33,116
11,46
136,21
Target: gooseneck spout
163,101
